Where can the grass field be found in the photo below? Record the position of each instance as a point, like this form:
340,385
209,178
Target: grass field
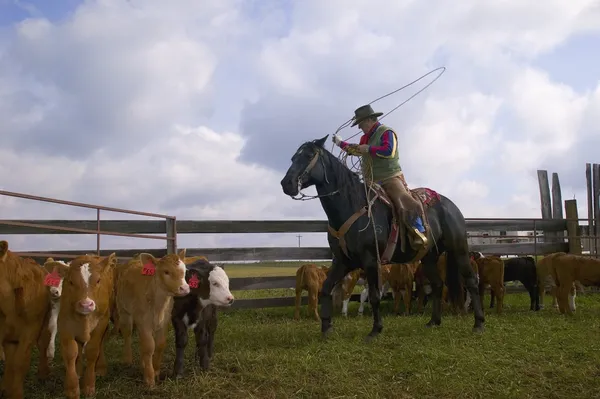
266,354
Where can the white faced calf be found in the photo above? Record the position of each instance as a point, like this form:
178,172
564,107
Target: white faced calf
198,311
54,282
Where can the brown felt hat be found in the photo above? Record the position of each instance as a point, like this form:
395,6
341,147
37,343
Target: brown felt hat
364,112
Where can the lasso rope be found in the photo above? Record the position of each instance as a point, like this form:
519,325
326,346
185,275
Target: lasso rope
343,156
368,168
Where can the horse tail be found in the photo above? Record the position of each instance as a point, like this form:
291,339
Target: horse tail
453,279
453,253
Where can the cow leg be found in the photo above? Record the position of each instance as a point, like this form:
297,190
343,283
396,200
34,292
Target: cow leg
313,303
364,295
492,298
532,290
70,351
372,272
43,343
297,302
407,294
562,294
92,352
181,340
101,366
335,275
126,329
10,349
498,290
22,357
147,346
572,296
160,342
202,342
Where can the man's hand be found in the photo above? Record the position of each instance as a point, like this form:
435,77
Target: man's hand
336,139
363,149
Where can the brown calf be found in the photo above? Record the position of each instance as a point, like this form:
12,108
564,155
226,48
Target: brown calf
491,272
24,310
568,268
346,288
83,318
400,277
145,291
545,280
309,277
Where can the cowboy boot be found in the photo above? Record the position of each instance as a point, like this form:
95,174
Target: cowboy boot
419,237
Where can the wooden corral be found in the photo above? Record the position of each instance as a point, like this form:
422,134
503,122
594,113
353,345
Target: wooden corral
565,234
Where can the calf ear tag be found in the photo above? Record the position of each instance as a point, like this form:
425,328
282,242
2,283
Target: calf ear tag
149,269
52,279
194,281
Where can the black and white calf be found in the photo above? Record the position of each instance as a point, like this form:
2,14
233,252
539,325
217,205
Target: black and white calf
209,289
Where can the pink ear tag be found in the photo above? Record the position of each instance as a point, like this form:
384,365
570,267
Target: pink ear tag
149,269
52,279
194,281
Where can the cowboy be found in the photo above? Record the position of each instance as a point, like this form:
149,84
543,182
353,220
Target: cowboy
380,143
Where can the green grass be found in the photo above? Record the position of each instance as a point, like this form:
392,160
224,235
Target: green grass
266,354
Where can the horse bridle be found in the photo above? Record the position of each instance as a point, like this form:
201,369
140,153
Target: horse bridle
306,171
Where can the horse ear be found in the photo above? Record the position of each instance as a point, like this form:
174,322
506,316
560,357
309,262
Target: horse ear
321,142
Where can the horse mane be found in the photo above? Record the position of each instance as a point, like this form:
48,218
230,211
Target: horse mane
347,181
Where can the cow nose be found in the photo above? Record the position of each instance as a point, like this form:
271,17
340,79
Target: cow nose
184,289
229,299
88,304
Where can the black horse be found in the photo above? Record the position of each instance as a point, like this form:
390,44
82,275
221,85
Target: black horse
342,194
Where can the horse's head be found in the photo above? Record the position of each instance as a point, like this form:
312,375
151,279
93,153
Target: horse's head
305,169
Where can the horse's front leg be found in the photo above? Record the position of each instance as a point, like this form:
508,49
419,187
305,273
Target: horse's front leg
372,271
335,275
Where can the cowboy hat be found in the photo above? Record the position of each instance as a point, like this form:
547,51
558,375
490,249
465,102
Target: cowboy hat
364,112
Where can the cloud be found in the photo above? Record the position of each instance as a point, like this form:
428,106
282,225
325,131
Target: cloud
195,108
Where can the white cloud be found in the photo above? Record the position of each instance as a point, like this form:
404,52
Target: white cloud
194,108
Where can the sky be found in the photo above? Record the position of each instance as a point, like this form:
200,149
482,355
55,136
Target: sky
194,108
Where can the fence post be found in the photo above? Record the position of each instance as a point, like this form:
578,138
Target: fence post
573,227
171,227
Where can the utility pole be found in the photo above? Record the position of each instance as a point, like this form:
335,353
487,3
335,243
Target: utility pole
299,236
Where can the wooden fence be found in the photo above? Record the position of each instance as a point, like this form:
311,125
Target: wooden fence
170,228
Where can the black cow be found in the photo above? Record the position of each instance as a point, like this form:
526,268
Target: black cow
522,269
209,289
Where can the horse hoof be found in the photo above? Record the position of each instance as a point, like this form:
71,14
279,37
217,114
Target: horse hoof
432,324
371,336
325,334
478,329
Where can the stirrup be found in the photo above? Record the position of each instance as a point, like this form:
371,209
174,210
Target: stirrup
421,236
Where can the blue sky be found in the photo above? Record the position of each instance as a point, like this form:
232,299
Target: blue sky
12,11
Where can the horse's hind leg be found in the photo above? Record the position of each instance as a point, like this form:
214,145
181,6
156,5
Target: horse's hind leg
430,270
371,269
336,274
468,275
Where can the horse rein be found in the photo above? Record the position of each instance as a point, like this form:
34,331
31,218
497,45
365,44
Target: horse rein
309,167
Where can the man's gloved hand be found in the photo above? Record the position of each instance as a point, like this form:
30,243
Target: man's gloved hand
337,139
363,149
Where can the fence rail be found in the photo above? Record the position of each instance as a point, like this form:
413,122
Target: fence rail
562,235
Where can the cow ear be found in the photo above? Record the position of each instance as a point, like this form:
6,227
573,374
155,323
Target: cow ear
109,261
3,250
181,255
148,258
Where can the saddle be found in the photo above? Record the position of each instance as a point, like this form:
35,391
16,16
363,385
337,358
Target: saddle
426,196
